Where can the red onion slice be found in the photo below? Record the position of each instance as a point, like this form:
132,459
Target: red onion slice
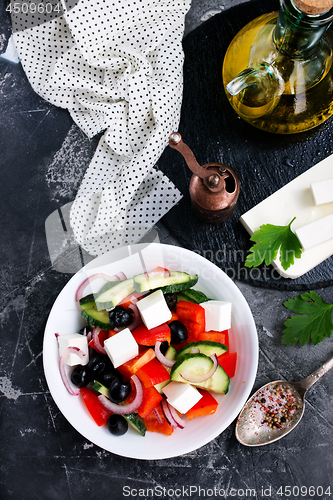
85,283
179,421
158,416
133,298
186,375
171,415
138,296
98,346
90,349
121,276
161,358
167,413
161,273
137,320
62,368
126,409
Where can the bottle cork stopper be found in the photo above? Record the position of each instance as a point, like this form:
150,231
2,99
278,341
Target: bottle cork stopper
314,7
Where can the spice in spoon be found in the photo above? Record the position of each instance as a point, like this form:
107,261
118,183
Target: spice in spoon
273,407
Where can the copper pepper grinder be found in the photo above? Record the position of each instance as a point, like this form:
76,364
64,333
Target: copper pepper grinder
214,187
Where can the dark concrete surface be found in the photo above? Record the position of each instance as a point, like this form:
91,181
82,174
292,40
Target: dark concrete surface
43,156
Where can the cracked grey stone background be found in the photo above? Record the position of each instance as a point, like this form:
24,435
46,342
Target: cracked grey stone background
42,457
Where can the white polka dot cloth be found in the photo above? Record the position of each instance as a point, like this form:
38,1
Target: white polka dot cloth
116,65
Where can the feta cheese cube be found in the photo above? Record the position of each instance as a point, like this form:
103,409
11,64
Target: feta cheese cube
316,232
154,310
217,315
121,347
74,340
181,396
322,191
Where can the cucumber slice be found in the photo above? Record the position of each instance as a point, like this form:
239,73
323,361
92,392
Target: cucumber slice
91,297
205,347
98,387
87,299
171,353
172,283
108,285
109,298
195,296
132,418
94,317
135,422
161,385
178,287
199,364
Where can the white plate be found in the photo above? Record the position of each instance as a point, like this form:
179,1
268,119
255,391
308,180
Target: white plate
65,318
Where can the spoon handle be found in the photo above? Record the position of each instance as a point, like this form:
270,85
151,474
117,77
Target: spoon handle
308,382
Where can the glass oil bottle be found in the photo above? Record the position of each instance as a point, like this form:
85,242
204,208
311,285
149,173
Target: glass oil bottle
278,72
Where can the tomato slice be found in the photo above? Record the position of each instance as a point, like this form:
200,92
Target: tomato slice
222,337
151,398
98,412
102,336
158,423
228,361
190,311
133,365
146,337
153,373
174,317
194,329
207,405
127,301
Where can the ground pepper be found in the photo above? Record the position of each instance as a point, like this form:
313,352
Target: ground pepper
273,407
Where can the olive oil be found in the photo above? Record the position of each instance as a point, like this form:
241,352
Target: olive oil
278,72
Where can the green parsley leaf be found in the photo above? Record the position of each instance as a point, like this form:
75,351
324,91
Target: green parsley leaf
313,320
269,240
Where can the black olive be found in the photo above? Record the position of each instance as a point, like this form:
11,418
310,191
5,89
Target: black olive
80,376
85,330
109,376
164,346
119,391
171,300
119,317
117,425
178,332
98,365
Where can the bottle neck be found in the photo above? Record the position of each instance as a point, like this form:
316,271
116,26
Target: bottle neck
297,33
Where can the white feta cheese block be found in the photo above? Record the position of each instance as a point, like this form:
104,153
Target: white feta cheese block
181,396
154,310
74,340
121,347
217,315
316,232
295,200
322,191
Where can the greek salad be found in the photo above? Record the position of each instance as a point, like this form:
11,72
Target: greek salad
152,355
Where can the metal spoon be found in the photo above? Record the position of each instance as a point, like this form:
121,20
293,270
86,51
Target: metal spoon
252,430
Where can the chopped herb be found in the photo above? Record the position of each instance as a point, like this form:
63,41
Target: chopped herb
313,319
269,240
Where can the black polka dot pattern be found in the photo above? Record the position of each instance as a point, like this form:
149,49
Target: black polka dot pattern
117,67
